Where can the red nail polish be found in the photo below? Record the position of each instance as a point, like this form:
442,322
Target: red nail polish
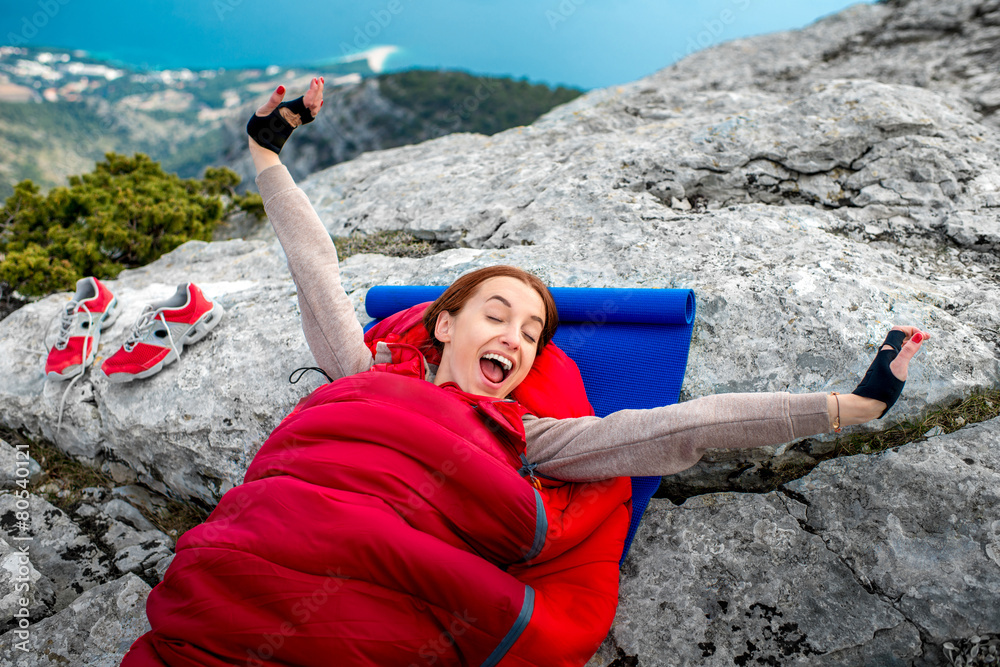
281,90
917,337
321,103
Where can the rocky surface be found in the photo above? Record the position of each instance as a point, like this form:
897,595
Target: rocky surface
813,188
61,554
192,429
23,586
17,465
137,544
58,548
870,560
95,631
950,48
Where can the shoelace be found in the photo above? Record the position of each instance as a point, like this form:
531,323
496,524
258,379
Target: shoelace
68,315
62,401
142,325
139,330
65,332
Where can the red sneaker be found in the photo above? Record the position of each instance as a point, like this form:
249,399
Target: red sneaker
91,310
160,333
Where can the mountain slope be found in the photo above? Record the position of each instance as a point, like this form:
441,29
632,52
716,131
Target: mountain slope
62,111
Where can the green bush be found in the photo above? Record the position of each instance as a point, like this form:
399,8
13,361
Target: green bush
126,213
250,202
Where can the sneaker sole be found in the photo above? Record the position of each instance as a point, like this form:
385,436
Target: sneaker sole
108,318
201,328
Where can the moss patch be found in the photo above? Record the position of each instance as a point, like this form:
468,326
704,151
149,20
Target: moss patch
391,243
178,518
977,407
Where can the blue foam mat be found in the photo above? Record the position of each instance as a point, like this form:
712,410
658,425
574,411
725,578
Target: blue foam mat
631,346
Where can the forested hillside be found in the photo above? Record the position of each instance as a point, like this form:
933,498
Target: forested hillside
63,111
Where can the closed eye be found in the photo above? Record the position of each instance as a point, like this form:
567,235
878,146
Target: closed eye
524,333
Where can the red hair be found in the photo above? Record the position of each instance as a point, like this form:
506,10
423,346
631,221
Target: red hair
460,291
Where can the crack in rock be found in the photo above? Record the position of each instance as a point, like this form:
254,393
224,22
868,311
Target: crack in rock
869,586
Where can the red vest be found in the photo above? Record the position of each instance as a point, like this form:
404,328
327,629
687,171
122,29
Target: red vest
384,522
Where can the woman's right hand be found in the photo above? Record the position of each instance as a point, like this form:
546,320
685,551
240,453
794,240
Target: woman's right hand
313,100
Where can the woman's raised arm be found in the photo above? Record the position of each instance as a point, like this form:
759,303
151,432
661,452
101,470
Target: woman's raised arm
328,320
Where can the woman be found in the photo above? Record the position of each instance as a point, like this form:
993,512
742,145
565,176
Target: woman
394,517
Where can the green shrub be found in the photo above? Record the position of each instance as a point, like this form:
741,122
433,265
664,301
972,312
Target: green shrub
250,202
126,213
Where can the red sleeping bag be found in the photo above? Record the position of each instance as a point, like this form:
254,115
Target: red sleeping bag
385,522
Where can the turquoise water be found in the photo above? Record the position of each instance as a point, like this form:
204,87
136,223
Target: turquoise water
586,43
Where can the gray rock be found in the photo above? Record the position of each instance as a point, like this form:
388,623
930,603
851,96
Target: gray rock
14,460
96,630
137,544
143,557
950,48
733,579
192,428
140,497
867,560
119,472
58,548
124,513
21,585
920,527
161,566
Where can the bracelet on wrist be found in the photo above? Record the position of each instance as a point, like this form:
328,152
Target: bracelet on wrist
836,420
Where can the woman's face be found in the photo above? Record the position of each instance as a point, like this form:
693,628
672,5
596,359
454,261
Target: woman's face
490,344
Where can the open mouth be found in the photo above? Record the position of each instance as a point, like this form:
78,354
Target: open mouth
495,367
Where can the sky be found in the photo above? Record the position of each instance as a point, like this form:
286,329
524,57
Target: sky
582,43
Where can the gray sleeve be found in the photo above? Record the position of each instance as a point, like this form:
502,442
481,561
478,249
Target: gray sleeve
328,320
666,440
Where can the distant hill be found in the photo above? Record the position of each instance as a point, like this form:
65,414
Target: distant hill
62,110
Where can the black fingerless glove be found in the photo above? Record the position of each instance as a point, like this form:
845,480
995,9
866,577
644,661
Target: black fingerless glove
272,131
879,382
